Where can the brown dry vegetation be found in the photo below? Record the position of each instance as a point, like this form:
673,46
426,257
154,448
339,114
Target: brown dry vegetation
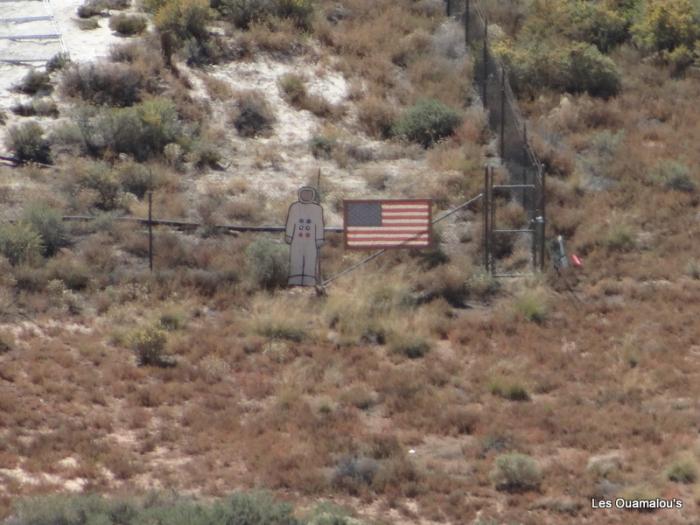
399,392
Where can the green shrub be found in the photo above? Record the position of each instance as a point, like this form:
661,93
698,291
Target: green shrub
664,25
184,19
596,23
136,178
268,264
511,390
409,346
48,223
73,273
37,106
673,175
96,7
532,305
683,471
30,278
591,71
238,509
142,130
293,88
112,84
172,319
620,238
128,25
353,473
101,179
427,122
574,67
149,345
27,143
35,82
20,244
243,13
514,472
322,147
252,115
299,11
58,62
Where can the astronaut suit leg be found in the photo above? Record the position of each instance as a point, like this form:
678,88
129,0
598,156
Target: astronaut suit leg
305,233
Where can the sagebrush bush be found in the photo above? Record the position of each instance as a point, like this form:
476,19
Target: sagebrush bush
532,305
674,175
516,472
58,62
427,122
619,237
268,264
293,88
102,180
128,25
142,130
48,223
73,272
149,345
238,509
410,346
683,471
20,244
35,82
376,116
252,115
28,144
136,178
42,107
112,84
243,13
184,19
508,389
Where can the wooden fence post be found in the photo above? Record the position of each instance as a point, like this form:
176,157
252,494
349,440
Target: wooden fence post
150,231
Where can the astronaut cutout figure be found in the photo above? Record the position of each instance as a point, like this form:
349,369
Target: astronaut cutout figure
305,233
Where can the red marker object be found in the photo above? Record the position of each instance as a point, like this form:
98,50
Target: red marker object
576,261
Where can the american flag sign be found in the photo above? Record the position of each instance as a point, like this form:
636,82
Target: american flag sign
388,223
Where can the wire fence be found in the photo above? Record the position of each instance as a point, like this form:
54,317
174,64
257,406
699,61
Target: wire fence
504,117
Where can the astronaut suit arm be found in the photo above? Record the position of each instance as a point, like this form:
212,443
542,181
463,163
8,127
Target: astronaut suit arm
291,224
320,229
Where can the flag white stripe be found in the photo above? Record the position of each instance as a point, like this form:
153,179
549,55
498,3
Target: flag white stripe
405,213
405,206
392,235
413,222
387,228
388,243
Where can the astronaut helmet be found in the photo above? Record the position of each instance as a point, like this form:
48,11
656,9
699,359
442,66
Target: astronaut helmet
308,195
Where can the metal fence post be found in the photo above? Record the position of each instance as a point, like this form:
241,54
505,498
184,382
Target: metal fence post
486,218
150,231
543,204
486,64
448,7
492,223
503,114
466,22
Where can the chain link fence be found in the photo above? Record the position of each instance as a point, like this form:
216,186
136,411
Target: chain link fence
505,119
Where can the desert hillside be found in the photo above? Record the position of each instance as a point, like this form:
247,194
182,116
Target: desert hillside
176,378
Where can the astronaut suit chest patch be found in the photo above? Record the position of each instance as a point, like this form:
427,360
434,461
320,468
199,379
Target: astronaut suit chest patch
304,228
